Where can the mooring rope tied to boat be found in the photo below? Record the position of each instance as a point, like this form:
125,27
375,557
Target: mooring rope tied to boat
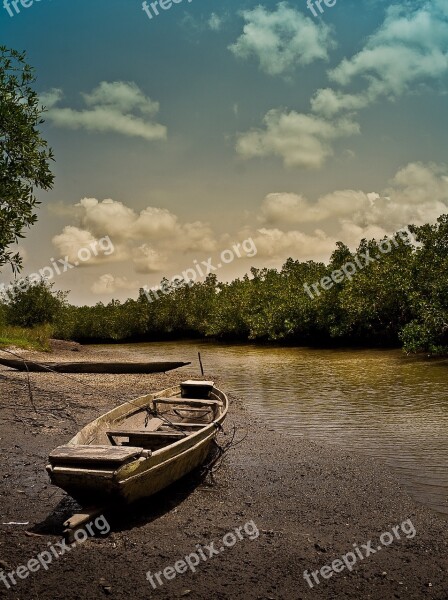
216,462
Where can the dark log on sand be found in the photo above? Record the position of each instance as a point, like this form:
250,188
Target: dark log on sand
114,368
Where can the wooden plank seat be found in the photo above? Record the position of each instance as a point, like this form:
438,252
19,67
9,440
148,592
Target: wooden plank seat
194,402
142,433
206,410
94,454
152,425
187,425
150,440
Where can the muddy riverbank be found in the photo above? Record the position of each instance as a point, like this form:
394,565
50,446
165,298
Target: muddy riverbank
309,502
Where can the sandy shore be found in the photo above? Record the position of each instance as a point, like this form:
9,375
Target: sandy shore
310,504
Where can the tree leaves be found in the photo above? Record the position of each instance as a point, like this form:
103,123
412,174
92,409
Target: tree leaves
24,154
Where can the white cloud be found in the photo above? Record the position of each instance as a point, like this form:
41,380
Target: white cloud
418,193
283,208
300,140
274,243
147,260
106,218
121,95
51,97
329,102
118,107
74,239
282,39
156,223
109,284
410,47
71,240
215,22
417,183
113,218
154,241
294,226
149,239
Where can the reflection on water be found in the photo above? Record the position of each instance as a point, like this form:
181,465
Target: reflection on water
378,402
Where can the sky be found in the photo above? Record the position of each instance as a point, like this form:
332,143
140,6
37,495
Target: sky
277,126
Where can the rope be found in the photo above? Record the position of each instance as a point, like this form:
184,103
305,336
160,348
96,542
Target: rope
30,391
64,375
216,462
149,412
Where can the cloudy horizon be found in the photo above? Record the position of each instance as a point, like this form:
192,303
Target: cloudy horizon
180,136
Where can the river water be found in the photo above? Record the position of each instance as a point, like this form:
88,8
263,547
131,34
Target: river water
378,402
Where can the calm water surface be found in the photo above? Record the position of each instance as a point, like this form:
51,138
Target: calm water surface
376,402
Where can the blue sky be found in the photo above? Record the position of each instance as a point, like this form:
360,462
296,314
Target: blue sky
215,122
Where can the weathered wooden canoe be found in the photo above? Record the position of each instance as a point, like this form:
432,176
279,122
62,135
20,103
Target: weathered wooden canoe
92,367
140,447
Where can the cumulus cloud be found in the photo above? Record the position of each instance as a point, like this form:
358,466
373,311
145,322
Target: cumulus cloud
109,284
300,140
328,102
118,107
50,98
159,225
215,22
292,208
418,194
155,241
282,39
148,239
72,242
410,47
147,260
275,243
292,225
108,216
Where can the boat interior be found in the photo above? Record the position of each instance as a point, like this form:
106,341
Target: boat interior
146,429
170,420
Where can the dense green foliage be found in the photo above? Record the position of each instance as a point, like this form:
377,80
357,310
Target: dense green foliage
29,304
397,296
24,155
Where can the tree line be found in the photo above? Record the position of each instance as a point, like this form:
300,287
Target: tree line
397,299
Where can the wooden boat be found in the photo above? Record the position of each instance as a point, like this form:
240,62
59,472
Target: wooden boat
92,367
140,447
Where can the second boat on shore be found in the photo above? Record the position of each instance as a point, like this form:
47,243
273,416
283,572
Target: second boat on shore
113,368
